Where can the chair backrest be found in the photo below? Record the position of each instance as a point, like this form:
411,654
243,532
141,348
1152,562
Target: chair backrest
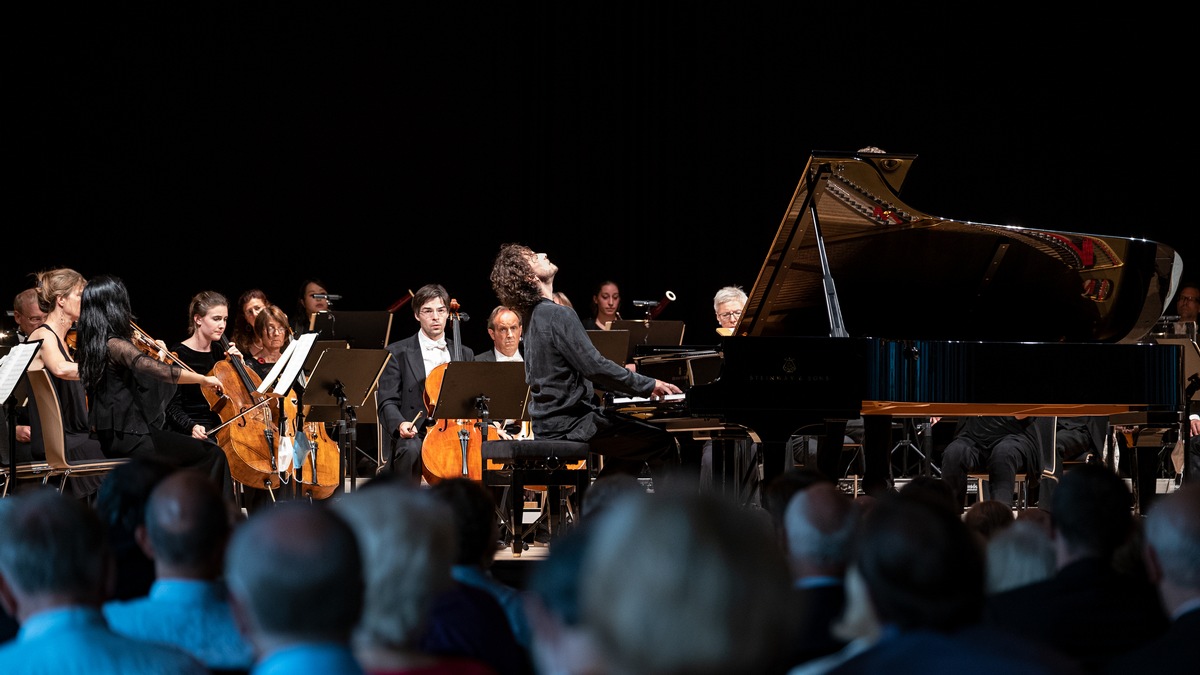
50,414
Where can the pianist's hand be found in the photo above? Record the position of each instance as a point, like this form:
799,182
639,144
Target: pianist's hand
663,388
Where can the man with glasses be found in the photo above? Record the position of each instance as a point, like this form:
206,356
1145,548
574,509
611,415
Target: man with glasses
402,385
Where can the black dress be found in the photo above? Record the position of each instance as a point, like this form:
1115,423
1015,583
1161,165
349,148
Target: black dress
128,416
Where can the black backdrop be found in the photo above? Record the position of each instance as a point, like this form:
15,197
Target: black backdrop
226,148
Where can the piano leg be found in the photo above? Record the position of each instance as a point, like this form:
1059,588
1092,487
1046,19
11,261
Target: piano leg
877,454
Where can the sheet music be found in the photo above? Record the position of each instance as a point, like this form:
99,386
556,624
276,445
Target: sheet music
283,373
13,366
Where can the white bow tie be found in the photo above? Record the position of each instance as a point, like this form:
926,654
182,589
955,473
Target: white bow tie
438,345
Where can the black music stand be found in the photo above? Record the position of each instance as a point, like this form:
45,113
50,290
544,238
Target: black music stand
648,332
362,330
612,344
343,380
481,390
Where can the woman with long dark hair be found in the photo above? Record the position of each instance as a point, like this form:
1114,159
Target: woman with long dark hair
129,390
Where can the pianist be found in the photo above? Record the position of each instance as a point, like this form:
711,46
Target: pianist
561,363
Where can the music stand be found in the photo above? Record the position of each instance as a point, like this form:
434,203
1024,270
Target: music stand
363,330
650,332
12,367
344,379
612,344
482,390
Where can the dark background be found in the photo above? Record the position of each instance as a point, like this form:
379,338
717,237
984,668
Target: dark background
226,148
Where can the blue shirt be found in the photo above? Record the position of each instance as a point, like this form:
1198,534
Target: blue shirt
327,658
188,613
76,640
508,597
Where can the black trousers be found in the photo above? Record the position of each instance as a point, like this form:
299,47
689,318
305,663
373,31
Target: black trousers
628,444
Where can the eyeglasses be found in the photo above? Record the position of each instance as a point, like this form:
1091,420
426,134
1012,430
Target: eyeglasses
272,330
429,311
727,316
1186,298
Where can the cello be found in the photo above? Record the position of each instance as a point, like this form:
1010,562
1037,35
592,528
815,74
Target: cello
251,438
245,432
452,448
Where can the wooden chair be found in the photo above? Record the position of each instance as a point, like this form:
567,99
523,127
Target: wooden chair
518,464
982,492
50,413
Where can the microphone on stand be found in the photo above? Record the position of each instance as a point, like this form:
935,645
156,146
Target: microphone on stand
326,296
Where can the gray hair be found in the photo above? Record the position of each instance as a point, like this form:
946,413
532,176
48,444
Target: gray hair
1172,530
729,294
1019,554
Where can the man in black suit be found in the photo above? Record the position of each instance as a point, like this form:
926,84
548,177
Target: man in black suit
504,327
1088,609
402,401
1171,552
819,523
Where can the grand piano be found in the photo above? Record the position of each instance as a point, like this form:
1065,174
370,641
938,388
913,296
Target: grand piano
866,306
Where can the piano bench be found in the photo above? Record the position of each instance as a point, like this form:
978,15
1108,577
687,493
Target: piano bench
558,465
982,492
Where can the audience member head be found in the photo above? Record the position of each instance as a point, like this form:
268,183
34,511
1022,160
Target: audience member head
187,527
1019,554
1172,545
707,593
561,642
1092,513
295,575
52,553
601,493
408,541
987,517
26,311
820,522
933,491
475,519
779,491
121,506
1040,517
922,567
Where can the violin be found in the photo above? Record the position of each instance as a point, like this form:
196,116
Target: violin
452,448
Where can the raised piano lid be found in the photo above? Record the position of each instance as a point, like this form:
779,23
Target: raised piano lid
900,273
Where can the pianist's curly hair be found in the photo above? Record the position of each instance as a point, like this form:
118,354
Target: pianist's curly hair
513,279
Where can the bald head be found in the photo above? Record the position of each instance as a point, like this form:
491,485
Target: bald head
819,523
187,526
26,312
1173,543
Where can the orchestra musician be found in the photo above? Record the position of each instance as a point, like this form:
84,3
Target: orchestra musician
189,411
58,293
561,363
273,335
1187,305
606,305
309,305
727,304
128,389
28,316
250,303
402,405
